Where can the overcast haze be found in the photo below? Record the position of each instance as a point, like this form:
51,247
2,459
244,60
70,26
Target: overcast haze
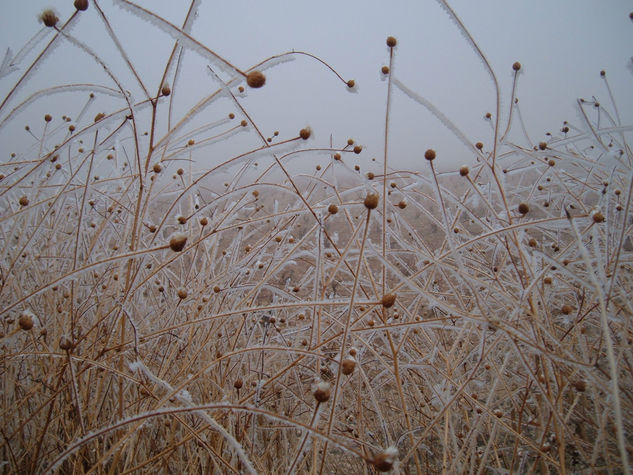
562,46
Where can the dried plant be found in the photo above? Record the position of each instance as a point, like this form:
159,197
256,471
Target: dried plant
323,321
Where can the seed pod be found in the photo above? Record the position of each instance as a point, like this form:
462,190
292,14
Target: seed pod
182,293
49,18
580,385
177,242
371,200
383,461
25,321
523,208
391,41
81,5
305,133
430,154
321,391
598,217
464,170
516,66
24,201
157,168
238,383
165,90
388,300
348,365
65,343
255,79
332,209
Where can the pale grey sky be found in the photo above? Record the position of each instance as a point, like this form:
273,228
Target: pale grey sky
562,46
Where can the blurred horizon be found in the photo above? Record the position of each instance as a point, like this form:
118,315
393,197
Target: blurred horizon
561,47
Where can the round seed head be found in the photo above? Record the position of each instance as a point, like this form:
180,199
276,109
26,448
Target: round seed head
542,145
165,90
337,156
65,343
49,18
305,133
24,201
598,217
48,117
464,170
385,69
350,141
391,41
332,209
321,391
516,66
81,5
182,293
388,300
523,208
238,383
479,145
488,115
430,154
25,321
402,204
383,461
358,149
567,309
157,168
348,365
351,83
580,385
255,79
371,200
177,242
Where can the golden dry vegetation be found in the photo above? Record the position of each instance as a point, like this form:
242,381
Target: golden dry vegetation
159,317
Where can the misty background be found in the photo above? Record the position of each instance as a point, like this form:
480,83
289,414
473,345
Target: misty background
562,46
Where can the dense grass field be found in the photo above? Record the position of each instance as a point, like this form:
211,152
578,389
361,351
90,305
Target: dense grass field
296,307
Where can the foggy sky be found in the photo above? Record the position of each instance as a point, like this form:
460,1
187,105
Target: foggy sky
561,45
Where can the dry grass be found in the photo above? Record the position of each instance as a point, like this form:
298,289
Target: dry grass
466,322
